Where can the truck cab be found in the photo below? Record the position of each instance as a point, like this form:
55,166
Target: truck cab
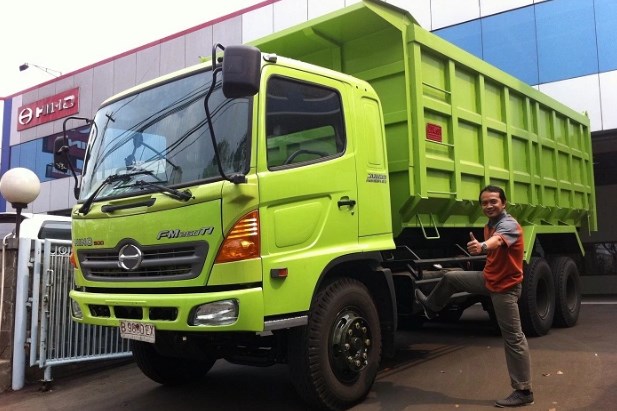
208,227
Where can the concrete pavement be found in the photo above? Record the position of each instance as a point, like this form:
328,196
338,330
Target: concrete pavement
438,367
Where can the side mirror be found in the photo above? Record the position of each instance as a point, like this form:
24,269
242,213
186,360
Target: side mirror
61,157
62,162
241,71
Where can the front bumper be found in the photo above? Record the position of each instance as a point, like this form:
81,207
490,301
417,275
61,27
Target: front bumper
168,312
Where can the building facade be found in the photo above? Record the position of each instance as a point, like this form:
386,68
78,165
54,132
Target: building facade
565,48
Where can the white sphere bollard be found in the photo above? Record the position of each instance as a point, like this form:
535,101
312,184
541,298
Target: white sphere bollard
20,186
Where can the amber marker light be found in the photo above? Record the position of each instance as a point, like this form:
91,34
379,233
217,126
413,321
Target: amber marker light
73,258
242,242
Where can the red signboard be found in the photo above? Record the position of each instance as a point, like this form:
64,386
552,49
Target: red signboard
433,132
48,109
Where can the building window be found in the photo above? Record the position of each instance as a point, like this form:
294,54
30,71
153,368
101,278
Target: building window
37,155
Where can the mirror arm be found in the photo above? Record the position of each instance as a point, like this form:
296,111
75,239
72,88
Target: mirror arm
217,68
65,151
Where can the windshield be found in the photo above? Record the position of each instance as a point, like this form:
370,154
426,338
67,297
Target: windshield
161,135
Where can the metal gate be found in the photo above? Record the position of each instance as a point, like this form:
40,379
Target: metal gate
54,338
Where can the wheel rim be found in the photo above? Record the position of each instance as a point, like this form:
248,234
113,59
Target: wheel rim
571,294
542,299
350,345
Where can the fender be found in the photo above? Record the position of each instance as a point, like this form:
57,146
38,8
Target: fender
563,240
380,283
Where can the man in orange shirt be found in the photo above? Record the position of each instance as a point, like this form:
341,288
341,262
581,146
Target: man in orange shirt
501,279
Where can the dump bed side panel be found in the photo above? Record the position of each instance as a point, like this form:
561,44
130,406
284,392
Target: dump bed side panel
453,122
476,126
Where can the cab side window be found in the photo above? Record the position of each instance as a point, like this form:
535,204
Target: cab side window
304,123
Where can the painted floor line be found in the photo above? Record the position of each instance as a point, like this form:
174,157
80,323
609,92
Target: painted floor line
599,302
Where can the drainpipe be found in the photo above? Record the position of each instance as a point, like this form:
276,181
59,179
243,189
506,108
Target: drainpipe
21,300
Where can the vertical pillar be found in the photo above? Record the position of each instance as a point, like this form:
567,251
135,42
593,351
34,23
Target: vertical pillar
8,256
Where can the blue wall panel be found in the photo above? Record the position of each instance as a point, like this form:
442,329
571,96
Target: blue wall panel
546,42
606,28
509,42
467,36
566,39
5,132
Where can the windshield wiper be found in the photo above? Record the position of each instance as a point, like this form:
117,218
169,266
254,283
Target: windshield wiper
185,195
85,208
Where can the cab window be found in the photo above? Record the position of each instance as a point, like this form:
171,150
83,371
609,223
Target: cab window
304,123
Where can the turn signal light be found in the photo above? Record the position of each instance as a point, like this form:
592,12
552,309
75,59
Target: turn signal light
242,242
73,258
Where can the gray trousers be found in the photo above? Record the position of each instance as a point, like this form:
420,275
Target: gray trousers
505,304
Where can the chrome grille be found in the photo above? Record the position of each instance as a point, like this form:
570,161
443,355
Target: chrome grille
160,262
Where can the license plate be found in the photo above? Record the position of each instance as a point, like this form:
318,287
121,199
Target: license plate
133,330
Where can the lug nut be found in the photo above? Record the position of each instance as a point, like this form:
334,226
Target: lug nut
367,342
346,347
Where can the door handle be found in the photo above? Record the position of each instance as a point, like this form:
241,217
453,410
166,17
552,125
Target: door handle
346,201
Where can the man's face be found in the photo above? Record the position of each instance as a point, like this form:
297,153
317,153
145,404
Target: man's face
491,203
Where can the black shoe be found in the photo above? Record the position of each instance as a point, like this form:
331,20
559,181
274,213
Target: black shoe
421,298
517,399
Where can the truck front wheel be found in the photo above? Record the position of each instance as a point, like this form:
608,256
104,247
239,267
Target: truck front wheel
168,370
333,360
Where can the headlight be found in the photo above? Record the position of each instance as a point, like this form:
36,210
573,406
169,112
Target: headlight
223,312
76,310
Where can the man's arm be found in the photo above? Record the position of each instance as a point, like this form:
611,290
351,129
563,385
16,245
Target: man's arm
474,247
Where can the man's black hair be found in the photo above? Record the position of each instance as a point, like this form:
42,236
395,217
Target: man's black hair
493,189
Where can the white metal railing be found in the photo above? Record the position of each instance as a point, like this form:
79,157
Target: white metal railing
54,338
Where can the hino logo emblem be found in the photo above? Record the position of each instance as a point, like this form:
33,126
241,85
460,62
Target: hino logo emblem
130,257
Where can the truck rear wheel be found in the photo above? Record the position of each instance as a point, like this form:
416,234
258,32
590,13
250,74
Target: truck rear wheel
567,291
168,370
537,302
333,360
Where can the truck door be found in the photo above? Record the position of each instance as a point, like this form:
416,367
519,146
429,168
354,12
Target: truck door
307,185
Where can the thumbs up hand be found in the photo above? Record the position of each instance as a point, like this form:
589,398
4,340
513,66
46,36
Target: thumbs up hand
474,247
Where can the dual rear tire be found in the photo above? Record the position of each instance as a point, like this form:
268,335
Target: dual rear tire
551,295
567,291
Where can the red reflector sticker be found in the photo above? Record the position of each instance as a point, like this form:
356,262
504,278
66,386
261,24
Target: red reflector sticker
278,273
433,132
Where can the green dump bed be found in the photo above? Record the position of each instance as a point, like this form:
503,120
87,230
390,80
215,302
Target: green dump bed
454,123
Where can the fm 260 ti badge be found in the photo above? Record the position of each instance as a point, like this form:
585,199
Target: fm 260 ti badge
177,233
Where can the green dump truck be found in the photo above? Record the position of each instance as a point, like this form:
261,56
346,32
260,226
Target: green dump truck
281,202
